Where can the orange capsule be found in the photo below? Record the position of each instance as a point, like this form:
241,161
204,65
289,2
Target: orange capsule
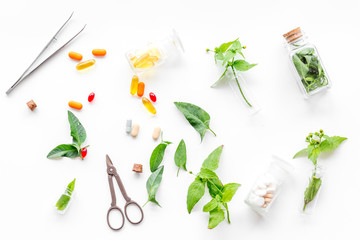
149,106
75,105
140,89
75,56
99,52
85,64
134,84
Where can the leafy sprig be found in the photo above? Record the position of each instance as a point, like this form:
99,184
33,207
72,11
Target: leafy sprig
228,53
317,142
221,194
73,150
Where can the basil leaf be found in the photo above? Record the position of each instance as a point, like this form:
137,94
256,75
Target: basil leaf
77,130
311,190
63,202
195,193
306,51
331,143
301,68
216,217
207,174
157,156
153,184
215,187
229,191
314,154
223,47
301,152
212,161
242,65
180,156
70,187
196,116
64,150
214,203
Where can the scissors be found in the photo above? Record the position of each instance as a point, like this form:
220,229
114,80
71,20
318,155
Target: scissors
111,170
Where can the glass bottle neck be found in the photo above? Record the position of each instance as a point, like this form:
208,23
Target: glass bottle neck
298,43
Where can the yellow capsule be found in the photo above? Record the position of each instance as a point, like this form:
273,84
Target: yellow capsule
155,52
141,60
85,64
149,106
134,84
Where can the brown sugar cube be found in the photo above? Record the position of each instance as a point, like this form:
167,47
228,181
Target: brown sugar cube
137,168
32,105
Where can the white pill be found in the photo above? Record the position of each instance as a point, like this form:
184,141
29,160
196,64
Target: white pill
260,192
271,189
256,200
128,126
135,130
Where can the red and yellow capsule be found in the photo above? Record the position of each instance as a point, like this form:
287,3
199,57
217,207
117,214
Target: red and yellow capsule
149,106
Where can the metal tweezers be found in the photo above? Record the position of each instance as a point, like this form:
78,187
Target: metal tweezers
28,71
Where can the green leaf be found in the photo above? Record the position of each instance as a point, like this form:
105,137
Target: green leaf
180,156
216,217
157,156
301,152
71,187
223,47
64,200
214,203
212,161
228,56
311,190
306,51
314,154
301,68
77,130
64,150
207,174
229,191
215,187
196,116
195,193
331,143
242,65
153,184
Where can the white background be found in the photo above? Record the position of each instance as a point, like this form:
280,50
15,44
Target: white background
31,183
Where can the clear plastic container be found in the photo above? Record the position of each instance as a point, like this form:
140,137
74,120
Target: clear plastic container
65,199
317,177
268,186
306,63
245,93
155,53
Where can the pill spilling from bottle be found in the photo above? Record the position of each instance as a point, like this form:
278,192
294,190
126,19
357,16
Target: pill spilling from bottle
91,97
140,89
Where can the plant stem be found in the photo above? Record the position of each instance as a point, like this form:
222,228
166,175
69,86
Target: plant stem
237,82
212,132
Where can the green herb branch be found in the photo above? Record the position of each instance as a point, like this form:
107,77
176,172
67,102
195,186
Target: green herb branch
317,142
228,53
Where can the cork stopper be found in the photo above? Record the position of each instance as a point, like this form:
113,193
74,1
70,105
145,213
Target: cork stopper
293,35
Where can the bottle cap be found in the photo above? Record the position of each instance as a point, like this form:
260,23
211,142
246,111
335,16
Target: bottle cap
293,35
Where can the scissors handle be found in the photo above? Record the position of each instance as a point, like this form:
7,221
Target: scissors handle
131,202
115,208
